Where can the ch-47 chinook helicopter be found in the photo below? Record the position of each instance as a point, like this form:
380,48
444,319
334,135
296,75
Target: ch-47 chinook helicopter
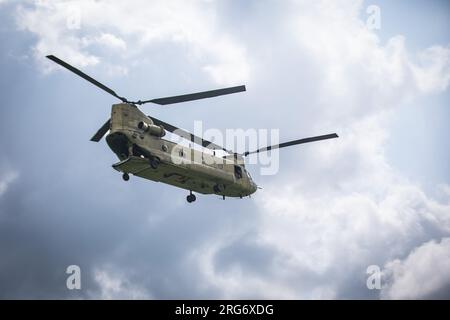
138,142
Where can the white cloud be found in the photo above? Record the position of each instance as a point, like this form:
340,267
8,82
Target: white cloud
111,41
49,22
345,207
433,72
115,285
323,243
6,178
189,24
351,56
230,63
425,271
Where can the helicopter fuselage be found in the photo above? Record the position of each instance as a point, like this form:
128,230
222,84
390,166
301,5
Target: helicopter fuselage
143,152
138,141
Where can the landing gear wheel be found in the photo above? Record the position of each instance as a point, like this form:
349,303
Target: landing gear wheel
191,198
126,176
154,163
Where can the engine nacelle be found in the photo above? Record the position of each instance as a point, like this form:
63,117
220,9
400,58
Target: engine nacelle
152,129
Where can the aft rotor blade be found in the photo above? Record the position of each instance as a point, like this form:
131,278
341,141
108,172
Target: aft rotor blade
85,76
101,132
195,96
187,135
294,142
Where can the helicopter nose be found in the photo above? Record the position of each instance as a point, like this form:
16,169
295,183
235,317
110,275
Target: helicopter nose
254,187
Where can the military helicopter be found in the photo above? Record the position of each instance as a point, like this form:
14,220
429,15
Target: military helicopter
137,140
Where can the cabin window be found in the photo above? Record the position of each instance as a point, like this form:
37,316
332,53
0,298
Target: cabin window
238,172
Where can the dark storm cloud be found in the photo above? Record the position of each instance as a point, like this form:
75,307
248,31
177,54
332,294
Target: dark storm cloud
68,206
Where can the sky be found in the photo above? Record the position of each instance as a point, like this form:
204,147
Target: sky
377,196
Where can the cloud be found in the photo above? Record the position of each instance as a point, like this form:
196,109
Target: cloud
434,71
111,41
115,285
351,56
75,31
334,208
345,207
6,178
423,273
50,21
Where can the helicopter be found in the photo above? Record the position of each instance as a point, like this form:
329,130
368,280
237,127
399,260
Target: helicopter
137,140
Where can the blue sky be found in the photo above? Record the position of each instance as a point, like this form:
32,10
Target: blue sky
378,195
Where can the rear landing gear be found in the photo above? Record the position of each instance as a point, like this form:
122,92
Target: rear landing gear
191,197
154,163
126,176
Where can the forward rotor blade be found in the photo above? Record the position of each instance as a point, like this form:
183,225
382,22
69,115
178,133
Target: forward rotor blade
294,142
85,76
101,132
194,96
187,135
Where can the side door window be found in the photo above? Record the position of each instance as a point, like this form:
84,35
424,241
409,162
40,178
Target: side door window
238,172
